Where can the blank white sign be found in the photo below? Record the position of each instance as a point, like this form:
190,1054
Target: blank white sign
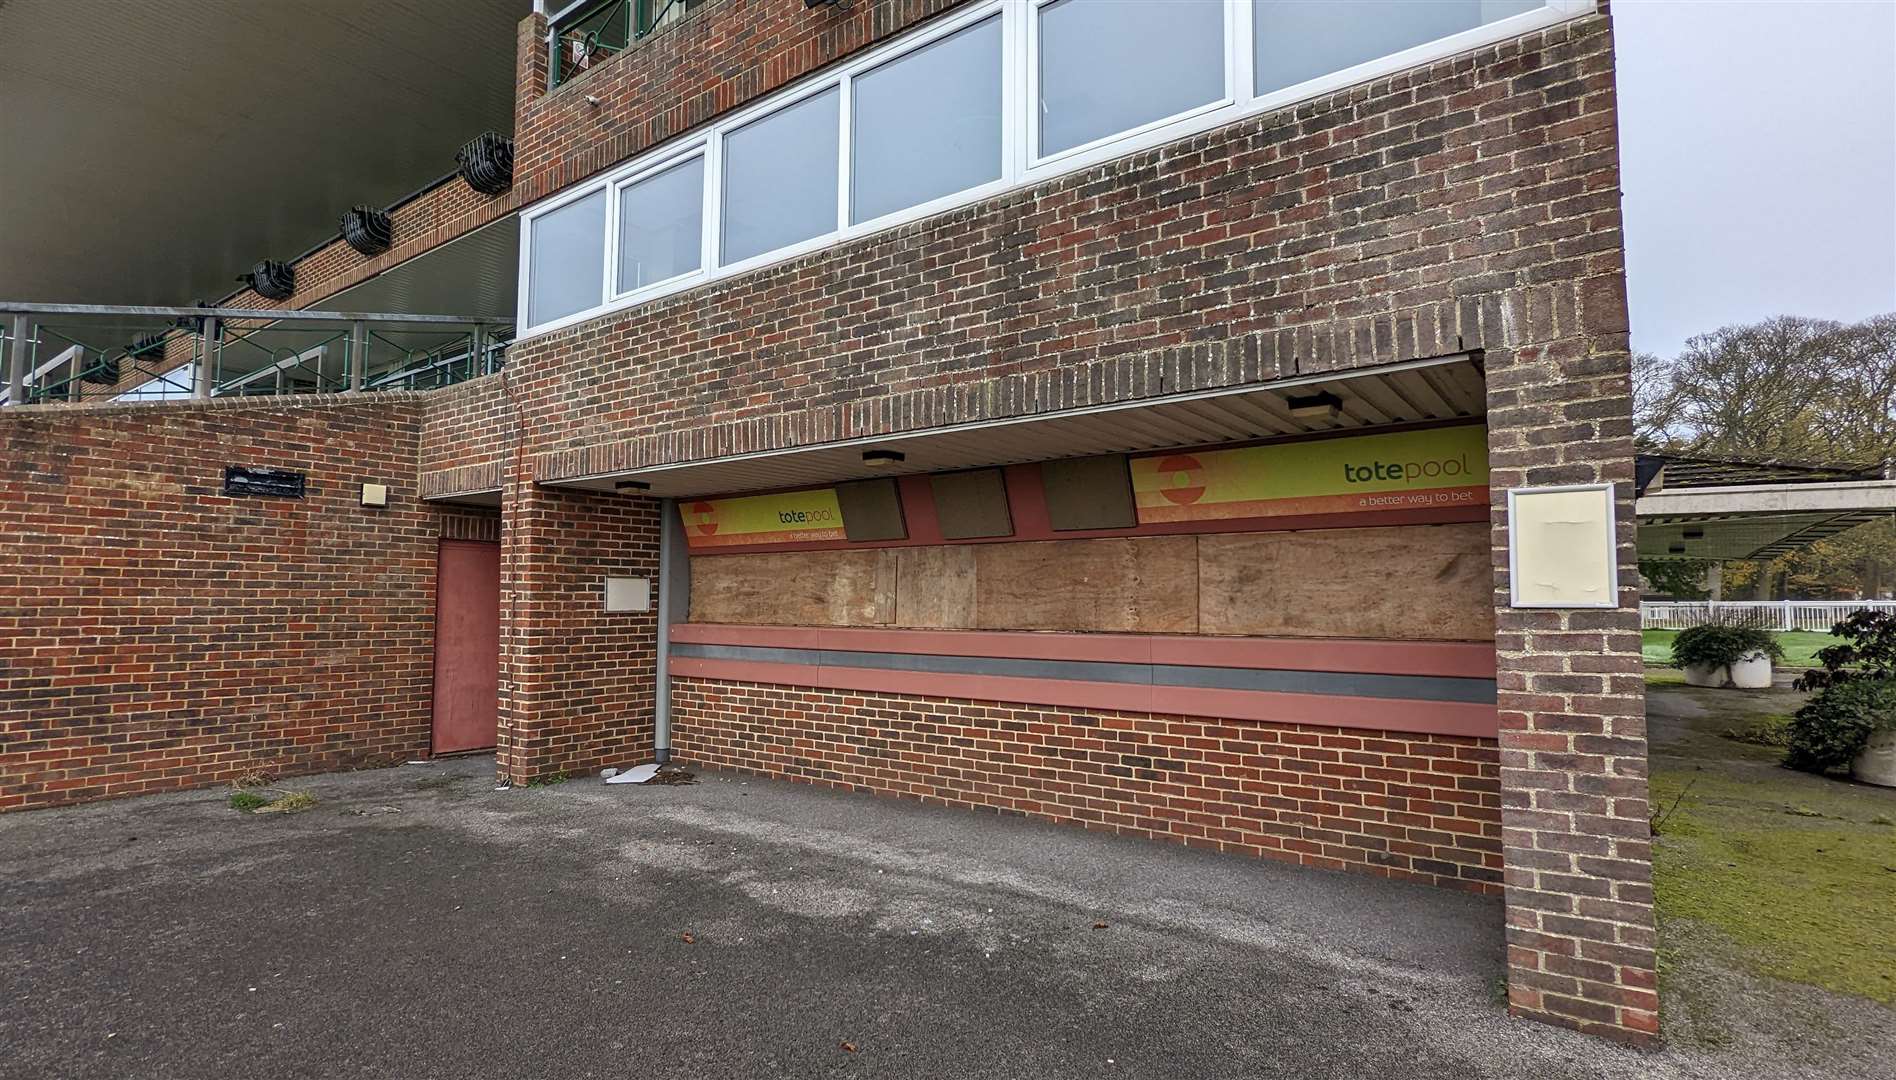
628,594
1561,547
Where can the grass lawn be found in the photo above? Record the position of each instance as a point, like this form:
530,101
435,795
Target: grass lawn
1795,873
1800,647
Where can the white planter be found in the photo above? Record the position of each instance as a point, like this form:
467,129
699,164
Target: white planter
1876,762
1751,673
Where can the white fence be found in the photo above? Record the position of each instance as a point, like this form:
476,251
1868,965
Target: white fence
1818,615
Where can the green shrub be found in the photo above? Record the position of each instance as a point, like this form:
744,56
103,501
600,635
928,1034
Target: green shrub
1832,727
1716,646
1870,652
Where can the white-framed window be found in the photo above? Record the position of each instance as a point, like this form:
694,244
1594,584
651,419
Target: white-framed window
173,384
661,225
782,173
566,258
928,124
998,95
1108,68
1296,41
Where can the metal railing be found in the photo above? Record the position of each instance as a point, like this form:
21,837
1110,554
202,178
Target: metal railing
588,32
71,352
1818,615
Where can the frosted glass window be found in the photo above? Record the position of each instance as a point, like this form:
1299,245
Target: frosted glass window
928,124
568,260
780,178
1108,66
1298,40
661,226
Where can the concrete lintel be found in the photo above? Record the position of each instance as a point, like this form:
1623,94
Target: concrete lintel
1769,499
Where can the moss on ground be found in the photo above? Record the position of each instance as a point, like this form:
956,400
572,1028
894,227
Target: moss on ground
1798,872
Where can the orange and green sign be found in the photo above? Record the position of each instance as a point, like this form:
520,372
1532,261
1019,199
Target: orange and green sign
792,517
1405,470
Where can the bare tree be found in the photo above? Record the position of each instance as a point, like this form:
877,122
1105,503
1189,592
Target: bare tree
1760,390
1790,388
1863,423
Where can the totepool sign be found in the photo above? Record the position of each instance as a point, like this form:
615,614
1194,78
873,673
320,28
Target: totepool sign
1407,470
793,517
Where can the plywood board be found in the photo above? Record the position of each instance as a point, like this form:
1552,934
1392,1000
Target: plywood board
1146,584
971,505
1417,582
799,588
1089,493
934,587
872,510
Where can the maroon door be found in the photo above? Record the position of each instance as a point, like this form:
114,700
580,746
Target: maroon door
467,646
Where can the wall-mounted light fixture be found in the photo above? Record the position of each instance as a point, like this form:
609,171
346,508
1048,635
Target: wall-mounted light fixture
814,4
487,163
631,485
271,279
368,230
882,459
1322,405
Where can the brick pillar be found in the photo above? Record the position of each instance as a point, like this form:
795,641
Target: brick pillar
576,688
530,68
1576,842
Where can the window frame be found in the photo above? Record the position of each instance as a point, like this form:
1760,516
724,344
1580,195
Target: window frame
1009,121
747,117
565,198
186,389
1036,160
1021,164
681,155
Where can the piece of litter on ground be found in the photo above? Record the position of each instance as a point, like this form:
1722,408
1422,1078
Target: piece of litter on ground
608,773
421,761
638,774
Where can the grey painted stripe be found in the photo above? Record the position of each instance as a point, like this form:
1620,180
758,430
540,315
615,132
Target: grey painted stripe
1352,684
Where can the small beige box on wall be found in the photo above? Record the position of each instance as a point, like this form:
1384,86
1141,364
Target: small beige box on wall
375,495
1561,549
628,594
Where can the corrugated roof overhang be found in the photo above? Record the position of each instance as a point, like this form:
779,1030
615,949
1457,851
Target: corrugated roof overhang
1442,389
1755,521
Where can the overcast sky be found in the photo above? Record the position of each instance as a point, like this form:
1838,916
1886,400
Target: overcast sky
1758,152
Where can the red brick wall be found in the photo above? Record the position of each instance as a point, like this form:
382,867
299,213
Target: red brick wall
1472,204
1418,807
715,59
156,634
576,681
1467,204
468,436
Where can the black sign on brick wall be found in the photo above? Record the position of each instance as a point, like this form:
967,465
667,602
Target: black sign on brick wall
269,483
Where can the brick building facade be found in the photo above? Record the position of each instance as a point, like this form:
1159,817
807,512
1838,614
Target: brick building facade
1425,242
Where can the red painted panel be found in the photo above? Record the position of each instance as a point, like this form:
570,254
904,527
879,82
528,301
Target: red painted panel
1321,710
1460,659
1027,503
467,646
